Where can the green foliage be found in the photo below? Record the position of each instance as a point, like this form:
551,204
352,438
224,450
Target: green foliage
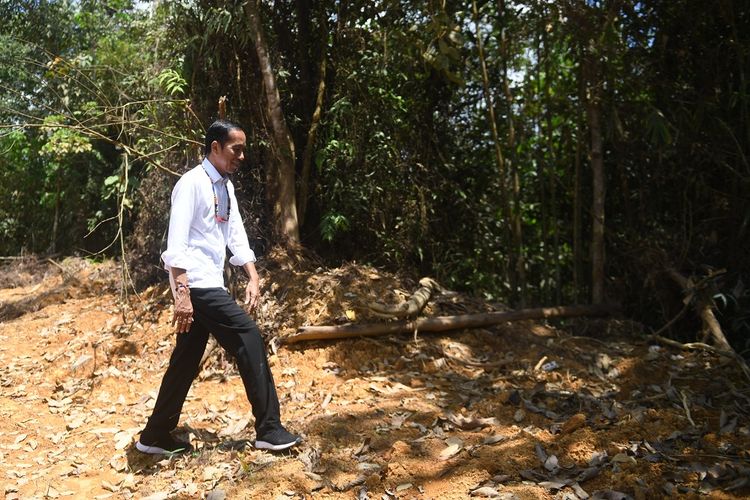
172,82
333,224
83,94
406,172
62,139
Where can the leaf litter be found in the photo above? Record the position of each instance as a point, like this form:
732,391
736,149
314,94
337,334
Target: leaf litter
521,410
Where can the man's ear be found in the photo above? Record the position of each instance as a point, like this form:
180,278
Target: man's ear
215,147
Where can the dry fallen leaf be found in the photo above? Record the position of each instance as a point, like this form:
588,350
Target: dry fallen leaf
403,486
468,423
580,492
610,495
368,467
110,487
363,447
326,400
486,492
494,439
622,458
161,495
540,453
455,445
553,485
119,463
551,464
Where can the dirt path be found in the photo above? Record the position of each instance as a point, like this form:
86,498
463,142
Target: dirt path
518,411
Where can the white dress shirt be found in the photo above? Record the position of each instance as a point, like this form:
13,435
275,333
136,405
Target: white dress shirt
197,242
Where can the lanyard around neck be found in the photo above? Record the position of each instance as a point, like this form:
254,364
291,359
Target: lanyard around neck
216,200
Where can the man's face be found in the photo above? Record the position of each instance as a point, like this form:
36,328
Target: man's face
228,158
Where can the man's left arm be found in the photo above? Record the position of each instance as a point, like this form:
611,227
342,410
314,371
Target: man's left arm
252,291
242,254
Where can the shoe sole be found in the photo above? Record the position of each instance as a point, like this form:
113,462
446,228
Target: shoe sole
265,445
155,450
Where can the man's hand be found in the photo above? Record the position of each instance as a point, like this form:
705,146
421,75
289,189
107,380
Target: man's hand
252,293
183,309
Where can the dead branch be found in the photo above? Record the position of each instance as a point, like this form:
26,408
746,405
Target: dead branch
411,307
442,323
691,346
695,294
705,347
703,306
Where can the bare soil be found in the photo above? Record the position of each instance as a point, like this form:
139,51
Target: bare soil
528,410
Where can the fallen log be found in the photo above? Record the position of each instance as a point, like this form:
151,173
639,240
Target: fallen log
411,307
442,323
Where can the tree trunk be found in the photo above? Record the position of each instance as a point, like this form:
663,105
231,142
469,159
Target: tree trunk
55,222
282,192
577,225
541,169
593,115
304,52
553,254
515,210
304,182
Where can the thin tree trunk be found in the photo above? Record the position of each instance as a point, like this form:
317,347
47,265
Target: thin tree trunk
304,182
510,276
542,171
505,54
593,114
597,234
577,216
516,230
55,221
553,275
284,201
517,235
304,51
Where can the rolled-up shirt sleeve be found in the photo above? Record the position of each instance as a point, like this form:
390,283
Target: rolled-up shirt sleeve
180,220
237,238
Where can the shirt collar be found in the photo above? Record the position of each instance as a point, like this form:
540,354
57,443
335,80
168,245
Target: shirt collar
212,172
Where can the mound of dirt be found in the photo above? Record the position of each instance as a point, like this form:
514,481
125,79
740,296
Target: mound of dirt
30,284
519,410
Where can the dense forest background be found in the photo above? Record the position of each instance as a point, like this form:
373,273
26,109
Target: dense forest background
531,152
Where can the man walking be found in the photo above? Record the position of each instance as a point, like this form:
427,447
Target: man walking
203,222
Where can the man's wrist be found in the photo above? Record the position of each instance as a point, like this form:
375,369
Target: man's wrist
181,286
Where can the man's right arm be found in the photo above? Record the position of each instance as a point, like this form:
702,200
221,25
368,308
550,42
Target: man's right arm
177,253
180,220
183,306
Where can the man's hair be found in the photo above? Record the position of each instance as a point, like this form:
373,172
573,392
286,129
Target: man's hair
219,131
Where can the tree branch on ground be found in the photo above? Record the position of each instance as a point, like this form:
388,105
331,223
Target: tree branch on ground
442,323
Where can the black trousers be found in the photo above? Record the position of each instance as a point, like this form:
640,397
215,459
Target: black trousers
216,312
